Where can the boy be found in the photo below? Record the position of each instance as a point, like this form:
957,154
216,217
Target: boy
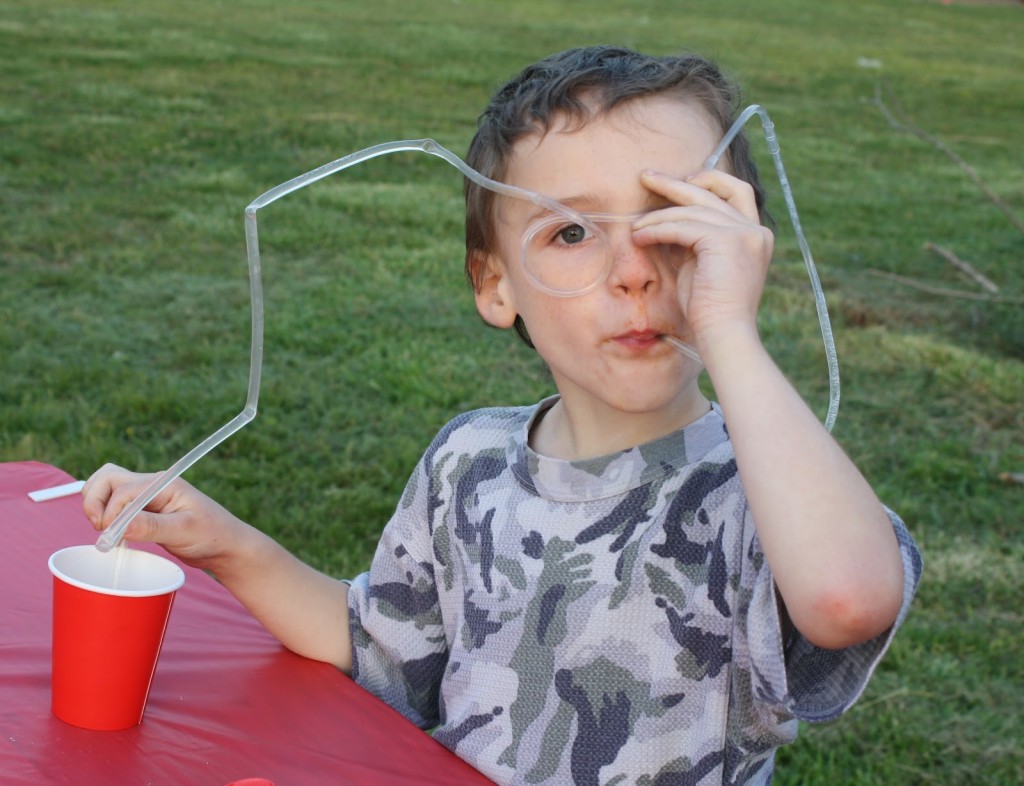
608,586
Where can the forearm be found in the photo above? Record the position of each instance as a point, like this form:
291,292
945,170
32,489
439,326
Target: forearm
304,609
828,541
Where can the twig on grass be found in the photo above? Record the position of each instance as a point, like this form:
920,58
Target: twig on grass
905,125
944,291
886,697
964,267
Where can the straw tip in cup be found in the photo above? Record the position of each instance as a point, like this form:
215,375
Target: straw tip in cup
123,571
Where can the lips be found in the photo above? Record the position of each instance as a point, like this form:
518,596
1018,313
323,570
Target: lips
639,339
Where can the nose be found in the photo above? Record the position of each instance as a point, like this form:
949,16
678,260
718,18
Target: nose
633,268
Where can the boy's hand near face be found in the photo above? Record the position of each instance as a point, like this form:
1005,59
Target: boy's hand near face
289,598
715,219
828,540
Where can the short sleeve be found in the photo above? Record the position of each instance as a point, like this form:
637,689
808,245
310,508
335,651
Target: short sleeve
800,679
399,649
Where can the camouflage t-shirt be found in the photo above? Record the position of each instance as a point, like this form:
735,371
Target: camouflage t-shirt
608,621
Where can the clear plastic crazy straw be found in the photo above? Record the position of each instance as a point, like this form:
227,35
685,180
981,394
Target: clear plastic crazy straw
812,272
111,536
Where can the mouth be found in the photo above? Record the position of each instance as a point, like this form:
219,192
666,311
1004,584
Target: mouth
643,341
639,339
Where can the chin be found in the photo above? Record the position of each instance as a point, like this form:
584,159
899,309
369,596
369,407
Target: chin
648,402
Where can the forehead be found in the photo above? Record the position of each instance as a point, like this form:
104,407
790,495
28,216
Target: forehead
596,164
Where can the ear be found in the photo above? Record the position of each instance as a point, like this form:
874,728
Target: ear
494,300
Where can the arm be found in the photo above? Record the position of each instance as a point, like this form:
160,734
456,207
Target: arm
829,542
306,610
827,538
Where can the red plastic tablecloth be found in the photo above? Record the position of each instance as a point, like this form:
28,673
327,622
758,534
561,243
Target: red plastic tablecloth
227,702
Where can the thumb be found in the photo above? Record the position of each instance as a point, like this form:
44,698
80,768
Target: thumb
175,532
152,528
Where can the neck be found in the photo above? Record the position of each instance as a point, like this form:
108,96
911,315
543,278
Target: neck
575,433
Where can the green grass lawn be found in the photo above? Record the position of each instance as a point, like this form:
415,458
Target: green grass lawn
133,135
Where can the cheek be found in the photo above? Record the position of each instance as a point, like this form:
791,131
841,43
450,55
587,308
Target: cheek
561,327
546,322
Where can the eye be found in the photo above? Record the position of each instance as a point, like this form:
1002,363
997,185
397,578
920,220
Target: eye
572,234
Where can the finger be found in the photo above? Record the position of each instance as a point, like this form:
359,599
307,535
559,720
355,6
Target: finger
736,192
97,491
120,497
691,226
711,216
128,487
711,188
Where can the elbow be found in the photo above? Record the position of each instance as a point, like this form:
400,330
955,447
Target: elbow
844,617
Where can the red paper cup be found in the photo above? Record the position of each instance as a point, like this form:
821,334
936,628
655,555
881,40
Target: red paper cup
108,626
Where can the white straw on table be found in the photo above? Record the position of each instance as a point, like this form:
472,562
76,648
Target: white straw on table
57,491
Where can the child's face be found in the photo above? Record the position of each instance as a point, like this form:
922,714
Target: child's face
602,346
